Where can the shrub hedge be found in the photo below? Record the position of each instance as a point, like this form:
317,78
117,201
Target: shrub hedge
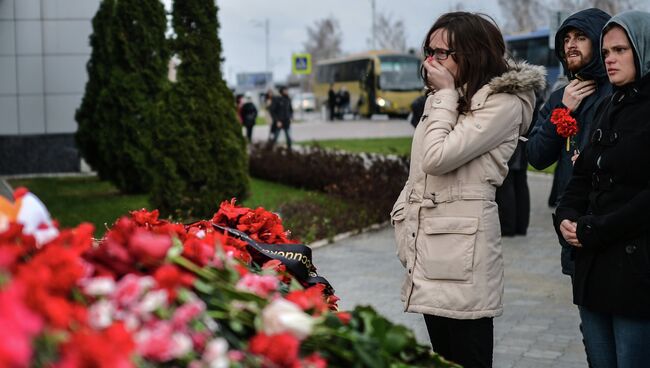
368,183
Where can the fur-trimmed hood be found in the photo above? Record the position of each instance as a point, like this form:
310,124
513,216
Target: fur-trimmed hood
520,77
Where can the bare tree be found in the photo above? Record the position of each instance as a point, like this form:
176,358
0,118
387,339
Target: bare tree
523,15
390,34
610,6
324,39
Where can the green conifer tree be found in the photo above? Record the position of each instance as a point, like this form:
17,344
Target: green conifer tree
200,154
115,123
88,117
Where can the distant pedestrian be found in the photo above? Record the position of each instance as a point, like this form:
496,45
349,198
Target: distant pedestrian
344,102
248,117
604,214
446,221
417,109
331,102
268,103
283,112
513,196
239,101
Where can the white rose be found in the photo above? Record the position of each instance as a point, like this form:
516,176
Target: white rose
152,301
100,314
216,353
98,286
282,315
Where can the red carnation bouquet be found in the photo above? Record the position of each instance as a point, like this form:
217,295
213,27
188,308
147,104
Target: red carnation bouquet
565,125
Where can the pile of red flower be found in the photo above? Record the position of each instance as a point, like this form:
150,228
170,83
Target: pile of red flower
156,293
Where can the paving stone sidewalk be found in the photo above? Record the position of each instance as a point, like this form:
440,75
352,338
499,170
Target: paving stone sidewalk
539,326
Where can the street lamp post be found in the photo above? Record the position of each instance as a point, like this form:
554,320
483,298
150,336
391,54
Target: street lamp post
266,26
374,25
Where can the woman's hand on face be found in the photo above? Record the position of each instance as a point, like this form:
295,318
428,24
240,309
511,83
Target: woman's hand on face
576,91
437,75
568,229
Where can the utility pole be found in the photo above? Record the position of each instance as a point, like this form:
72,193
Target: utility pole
267,64
374,25
266,32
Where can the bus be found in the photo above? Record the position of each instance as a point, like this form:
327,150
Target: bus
379,82
534,48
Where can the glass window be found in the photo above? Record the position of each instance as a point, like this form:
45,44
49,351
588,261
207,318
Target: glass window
400,73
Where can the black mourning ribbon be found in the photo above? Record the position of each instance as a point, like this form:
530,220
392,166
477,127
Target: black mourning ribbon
296,257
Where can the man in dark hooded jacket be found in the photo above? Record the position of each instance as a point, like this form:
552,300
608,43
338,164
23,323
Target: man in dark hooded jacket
577,46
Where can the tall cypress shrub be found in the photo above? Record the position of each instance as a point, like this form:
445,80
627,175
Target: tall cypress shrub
200,153
89,119
130,82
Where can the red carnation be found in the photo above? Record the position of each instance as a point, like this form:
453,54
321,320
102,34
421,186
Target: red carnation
565,125
311,300
280,350
149,248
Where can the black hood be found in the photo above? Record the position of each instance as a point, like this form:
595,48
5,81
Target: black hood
591,22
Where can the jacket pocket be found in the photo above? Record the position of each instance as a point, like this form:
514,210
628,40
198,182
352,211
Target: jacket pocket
638,258
447,248
397,217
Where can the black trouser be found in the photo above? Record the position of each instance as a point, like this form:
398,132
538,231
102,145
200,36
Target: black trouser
249,132
513,198
468,342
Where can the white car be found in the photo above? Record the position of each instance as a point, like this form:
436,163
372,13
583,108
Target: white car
306,100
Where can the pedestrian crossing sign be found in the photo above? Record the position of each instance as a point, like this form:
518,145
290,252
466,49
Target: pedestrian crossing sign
301,63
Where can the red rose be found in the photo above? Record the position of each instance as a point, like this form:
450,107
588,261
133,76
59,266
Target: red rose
344,317
311,300
279,350
313,361
149,248
110,348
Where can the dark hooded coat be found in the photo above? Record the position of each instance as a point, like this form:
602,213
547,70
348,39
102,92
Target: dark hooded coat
609,193
545,146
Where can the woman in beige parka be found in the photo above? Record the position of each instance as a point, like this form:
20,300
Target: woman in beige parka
446,221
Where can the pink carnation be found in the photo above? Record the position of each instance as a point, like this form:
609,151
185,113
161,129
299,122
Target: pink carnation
262,285
187,312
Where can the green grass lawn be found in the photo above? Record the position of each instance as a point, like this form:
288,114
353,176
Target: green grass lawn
72,200
400,146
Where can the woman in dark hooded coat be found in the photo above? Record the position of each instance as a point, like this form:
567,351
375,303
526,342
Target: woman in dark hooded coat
604,211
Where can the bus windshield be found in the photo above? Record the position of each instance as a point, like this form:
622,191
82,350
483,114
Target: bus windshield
399,73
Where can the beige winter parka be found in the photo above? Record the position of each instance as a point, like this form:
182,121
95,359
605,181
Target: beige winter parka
446,221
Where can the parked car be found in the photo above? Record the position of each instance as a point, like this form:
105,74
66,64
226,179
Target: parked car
306,100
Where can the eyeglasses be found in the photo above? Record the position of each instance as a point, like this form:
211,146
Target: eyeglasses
438,53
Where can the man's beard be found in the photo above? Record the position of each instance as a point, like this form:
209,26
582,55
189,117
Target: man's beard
576,63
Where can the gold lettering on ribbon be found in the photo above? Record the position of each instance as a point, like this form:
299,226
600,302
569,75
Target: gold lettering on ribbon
296,256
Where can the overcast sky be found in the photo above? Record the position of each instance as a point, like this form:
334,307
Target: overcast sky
244,43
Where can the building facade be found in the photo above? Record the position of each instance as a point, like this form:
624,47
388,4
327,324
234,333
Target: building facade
44,48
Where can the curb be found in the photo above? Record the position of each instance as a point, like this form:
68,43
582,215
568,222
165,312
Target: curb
5,189
323,242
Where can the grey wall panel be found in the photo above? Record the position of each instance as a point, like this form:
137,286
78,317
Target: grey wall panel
30,74
7,9
8,115
60,110
7,75
67,37
65,74
7,37
70,9
29,37
32,114
28,9
43,153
